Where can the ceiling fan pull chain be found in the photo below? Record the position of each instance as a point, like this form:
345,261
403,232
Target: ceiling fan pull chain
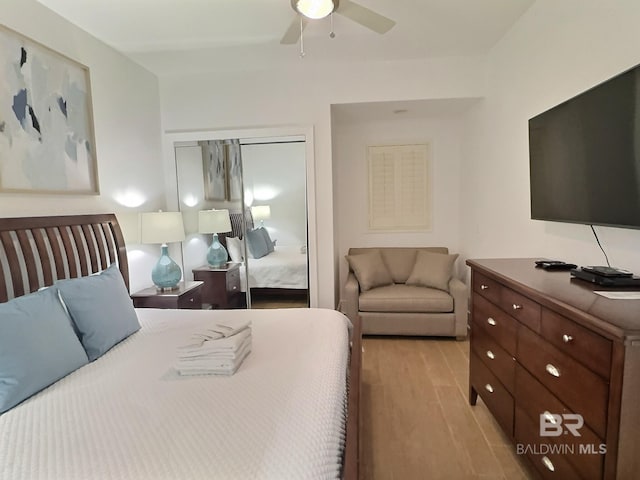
301,38
332,34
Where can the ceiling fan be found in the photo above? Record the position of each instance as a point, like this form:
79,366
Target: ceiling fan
315,9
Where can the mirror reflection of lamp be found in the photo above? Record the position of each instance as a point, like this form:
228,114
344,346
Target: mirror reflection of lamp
163,227
261,212
215,221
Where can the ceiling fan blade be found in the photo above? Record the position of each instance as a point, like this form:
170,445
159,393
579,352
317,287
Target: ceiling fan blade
365,17
292,35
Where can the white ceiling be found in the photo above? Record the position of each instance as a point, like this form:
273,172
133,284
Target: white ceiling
169,36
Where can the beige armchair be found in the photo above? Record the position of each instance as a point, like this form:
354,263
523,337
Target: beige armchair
405,291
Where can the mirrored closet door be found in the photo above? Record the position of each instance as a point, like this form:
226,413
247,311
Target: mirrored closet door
249,196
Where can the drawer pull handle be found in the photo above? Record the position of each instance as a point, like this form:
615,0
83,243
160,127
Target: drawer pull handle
490,355
550,418
516,306
491,322
488,388
234,287
567,338
484,287
551,370
548,463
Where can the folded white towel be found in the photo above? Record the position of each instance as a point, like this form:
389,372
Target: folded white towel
213,366
219,330
222,345
206,354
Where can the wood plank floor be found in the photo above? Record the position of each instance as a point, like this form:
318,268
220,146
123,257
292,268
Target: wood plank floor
416,419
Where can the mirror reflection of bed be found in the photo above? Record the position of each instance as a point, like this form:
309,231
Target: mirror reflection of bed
272,179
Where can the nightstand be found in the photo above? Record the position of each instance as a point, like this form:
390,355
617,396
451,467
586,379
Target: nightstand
188,295
221,287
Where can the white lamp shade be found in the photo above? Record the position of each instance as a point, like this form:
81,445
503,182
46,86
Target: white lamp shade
130,225
261,212
161,227
214,221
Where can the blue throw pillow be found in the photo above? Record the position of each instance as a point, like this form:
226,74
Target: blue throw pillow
257,244
101,309
267,238
37,346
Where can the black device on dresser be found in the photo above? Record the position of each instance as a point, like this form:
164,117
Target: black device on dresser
606,276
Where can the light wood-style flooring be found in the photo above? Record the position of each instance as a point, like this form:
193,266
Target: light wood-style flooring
416,421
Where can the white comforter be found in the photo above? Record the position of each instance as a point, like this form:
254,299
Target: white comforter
129,415
285,267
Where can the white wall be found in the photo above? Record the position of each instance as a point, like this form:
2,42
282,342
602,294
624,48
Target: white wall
302,95
126,113
555,51
350,142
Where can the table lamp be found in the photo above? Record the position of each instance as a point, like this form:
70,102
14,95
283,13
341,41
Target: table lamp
215,221
163,228
261,212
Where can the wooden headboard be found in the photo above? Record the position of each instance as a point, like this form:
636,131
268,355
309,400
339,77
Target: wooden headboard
37,251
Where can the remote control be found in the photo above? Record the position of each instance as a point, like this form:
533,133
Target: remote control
554,265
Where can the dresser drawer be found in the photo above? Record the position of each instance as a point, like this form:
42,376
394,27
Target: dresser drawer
584,345
526,311
578,387
498,324
233,281
497,398
535,400
191,300
499,361
549,460
489,289
520,307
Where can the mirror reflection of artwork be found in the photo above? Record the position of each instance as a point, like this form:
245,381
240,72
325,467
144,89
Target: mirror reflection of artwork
234,171
213,162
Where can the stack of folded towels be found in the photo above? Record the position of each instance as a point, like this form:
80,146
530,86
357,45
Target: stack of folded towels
217,350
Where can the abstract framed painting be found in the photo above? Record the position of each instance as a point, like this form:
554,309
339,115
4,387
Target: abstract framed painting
47,140
214,169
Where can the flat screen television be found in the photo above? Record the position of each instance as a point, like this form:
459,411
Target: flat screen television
584,156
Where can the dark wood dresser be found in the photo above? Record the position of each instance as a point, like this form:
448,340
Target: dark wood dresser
559,368
221,287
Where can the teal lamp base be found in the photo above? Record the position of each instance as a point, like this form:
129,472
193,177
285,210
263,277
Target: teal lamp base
216,254
166,274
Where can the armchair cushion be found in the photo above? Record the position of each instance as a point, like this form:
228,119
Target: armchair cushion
370,270
432,270
405,298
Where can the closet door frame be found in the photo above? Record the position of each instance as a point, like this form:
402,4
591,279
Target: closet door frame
173,138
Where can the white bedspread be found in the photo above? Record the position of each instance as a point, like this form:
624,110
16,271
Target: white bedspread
285,267
129,415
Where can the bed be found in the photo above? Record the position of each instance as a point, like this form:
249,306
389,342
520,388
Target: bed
290,411
282,271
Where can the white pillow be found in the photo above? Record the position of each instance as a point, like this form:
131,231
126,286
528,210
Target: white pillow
234,246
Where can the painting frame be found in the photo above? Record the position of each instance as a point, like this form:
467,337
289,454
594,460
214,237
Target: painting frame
47,133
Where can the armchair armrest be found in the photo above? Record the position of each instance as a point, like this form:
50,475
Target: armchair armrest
351,294
458,291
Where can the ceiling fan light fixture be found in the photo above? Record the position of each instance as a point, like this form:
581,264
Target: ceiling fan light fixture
315,9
